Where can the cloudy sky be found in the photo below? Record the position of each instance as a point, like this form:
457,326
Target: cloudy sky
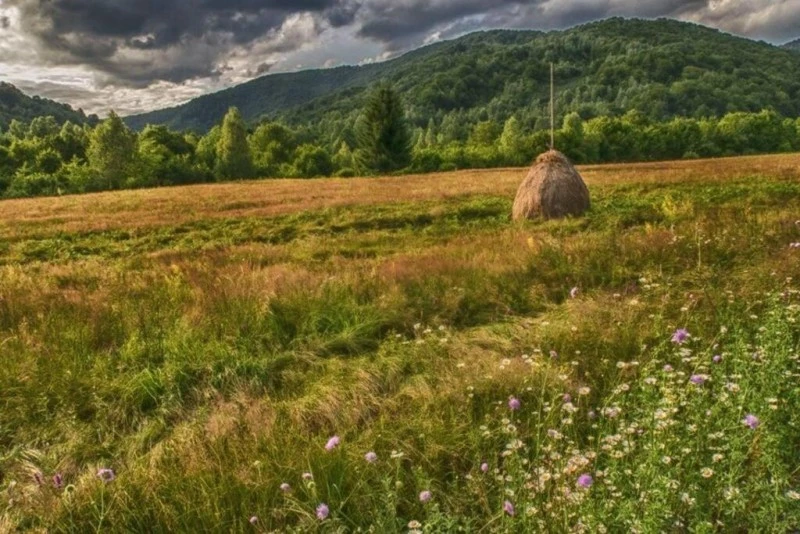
139,55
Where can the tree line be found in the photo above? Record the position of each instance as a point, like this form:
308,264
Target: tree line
45,158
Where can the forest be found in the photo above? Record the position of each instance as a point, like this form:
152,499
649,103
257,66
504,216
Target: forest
628,90
43,158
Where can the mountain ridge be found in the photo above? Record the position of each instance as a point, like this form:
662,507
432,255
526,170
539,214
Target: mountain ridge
673,60
14,104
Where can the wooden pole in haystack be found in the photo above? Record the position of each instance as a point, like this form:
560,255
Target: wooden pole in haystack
552,107
553,187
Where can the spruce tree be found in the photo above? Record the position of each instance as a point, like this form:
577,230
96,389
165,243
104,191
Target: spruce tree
382,135
233,153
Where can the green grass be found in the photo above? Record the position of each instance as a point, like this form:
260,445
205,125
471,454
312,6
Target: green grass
209,362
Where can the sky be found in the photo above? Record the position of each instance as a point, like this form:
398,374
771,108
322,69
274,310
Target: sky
141,55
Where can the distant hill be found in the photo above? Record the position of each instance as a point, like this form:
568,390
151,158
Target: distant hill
662,68
14,104
794,45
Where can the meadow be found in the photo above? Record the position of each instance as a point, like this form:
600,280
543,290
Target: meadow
395,355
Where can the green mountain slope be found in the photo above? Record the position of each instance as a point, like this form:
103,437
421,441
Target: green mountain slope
661,68
14,104
794,45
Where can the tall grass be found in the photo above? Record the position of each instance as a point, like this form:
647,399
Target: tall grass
207,362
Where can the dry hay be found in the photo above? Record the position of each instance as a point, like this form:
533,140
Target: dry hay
552,189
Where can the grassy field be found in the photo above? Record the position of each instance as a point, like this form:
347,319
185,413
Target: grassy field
401,357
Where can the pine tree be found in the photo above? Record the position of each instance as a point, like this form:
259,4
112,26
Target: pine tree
382,135
233,152
111,151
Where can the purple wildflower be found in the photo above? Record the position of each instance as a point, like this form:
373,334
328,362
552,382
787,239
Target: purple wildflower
508,508
484,467
697,380
58,481
567,397
323,511
106,475
514,403
668,368
332,443
425,496
751,421
38,478
717,358
553,354
308,476
253,520
680,336
371,457
585,481
286,488
574,292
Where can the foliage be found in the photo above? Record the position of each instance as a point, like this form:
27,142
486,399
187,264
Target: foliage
111,152
382,136
233,159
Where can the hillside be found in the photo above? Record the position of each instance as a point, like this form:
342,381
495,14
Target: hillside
794,45
662,68
14,104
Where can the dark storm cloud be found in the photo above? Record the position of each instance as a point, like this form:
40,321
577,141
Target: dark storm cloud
396,22
114,36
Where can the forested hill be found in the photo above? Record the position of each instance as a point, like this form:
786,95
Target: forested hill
662,68
14,104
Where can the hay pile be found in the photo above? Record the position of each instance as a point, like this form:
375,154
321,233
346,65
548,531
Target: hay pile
552,189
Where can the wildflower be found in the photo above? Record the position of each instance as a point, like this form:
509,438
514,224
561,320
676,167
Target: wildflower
666,460
567,397
332,443
553,354
793,495
717,458
413,524
323,511
585,480
584,391
668,368
484,467
371,457
680,336
308,476
508,508
425,496
514,403
697,380
286,488
106,475
38,478
751,421
717,358
574,292
58,481
707,472
253,520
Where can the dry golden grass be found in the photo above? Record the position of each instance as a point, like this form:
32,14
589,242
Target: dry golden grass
169,206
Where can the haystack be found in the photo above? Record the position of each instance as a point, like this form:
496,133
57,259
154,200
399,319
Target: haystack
552,189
